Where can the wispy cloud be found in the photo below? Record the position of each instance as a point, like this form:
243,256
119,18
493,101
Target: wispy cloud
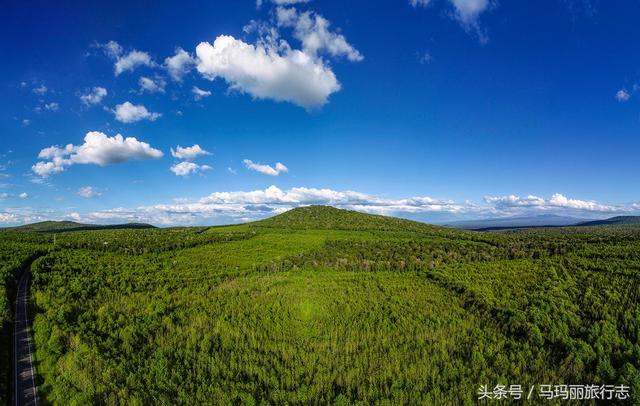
467,13
199,94
151,85
266,169
89,192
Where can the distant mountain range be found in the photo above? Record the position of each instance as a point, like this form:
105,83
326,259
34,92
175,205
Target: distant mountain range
322,213
546,220
62,226
511,222
619,220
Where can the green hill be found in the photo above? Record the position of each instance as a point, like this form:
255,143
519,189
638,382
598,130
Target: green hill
330,218
613,221
62,226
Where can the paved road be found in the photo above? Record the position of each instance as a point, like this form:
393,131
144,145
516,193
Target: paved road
25,390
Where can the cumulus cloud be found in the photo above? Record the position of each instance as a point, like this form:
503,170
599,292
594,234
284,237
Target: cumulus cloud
622,95
131,61
88,192
126,62
312,30
422,3
97,149
267,71
266,169
188,153
556,201
199,94
151,85
23,195
131,113
95,96
187,168
179,64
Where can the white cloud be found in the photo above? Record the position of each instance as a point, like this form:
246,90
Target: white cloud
188,153
180,64
199,94
466,12
515,201
112,49
26,122
130,113
4,196
556,201
40,90
97,149
74,216
312,30
53,106
7,218
128,62
267,71
271,68
88,192
150,85
95,96
131,61
266,169
559,200
622,95
186,168
23,195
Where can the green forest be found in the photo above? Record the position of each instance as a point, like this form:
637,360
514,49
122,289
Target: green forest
323,306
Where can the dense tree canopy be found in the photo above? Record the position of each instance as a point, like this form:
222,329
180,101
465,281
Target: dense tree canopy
344,310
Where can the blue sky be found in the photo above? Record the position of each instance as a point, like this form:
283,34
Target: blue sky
435,110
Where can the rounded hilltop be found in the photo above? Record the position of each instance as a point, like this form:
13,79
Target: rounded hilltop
330,218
